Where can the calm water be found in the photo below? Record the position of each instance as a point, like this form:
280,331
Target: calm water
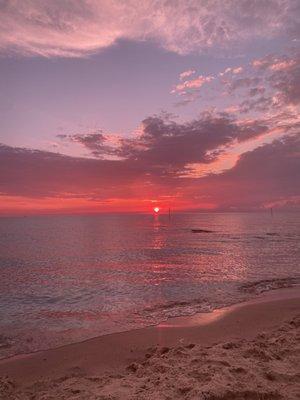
68,278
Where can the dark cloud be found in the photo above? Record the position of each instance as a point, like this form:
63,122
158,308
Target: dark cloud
165,143
37,173
268,175
260,104
97,143
256,91
242,83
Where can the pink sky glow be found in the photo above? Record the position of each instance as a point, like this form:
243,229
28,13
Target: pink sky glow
126,106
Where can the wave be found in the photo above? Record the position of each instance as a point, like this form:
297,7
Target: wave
26,342
177,304
269,284
243,292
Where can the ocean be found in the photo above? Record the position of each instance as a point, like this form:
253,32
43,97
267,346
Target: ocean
69,278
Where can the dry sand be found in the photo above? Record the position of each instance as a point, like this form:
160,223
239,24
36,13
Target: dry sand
249,351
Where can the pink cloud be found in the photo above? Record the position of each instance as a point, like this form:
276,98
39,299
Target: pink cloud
192,84
77,28
237,70
259,63
228,70
186,74
283,65
274,63
270,84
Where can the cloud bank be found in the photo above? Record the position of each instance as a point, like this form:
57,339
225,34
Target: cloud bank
157,166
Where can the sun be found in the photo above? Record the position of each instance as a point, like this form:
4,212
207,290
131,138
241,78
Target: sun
156,209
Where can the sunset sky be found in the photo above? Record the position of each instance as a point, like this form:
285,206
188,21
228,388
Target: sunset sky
127,105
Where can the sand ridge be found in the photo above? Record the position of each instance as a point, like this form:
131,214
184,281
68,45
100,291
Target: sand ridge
267,367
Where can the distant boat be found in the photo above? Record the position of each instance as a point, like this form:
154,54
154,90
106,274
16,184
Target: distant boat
201,231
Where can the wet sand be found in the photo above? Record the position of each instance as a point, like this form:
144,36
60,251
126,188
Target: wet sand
247,351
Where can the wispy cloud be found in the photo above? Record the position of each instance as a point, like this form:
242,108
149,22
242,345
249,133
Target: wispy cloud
268,84
72,28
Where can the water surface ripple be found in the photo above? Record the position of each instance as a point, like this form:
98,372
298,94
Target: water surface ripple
68,278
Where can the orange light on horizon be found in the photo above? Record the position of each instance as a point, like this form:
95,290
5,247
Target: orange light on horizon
156,209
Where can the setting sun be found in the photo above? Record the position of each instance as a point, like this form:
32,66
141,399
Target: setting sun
156,209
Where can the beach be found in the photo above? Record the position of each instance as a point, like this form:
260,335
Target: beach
247,351
149,200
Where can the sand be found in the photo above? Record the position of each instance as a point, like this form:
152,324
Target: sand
248,351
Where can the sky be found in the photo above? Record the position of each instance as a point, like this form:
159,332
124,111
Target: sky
121,106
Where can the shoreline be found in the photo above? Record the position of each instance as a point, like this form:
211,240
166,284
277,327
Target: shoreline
113,352
289,284
197,318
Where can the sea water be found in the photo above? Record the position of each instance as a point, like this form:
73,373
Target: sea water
68,278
